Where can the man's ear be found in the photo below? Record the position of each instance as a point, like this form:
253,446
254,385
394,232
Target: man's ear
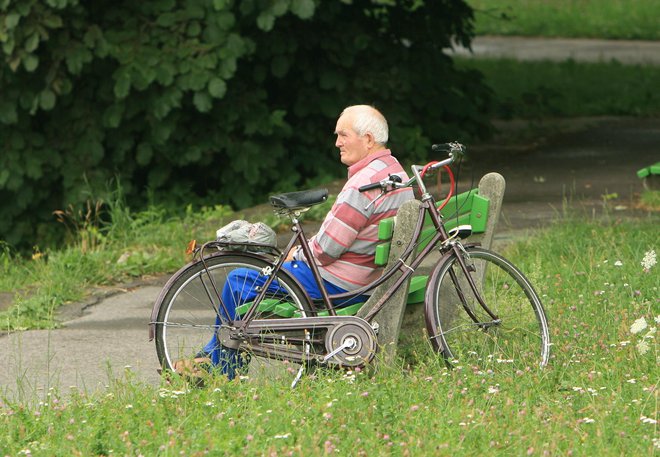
371,142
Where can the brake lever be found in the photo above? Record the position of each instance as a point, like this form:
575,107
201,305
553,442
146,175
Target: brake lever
382,192
392,180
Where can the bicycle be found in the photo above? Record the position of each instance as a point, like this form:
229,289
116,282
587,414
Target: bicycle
479,307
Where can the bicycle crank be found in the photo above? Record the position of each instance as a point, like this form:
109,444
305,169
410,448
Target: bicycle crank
346,341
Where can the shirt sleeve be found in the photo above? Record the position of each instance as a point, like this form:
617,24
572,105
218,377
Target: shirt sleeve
348,216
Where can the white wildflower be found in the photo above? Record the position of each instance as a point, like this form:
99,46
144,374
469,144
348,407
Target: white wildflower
638,325
643,347
618,263
282,437
649,260
647,420
588,420
656,443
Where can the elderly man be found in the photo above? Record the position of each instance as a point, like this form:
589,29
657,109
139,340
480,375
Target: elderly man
345,246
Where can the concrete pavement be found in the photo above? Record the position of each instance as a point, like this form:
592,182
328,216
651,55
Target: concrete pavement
108,341
559,49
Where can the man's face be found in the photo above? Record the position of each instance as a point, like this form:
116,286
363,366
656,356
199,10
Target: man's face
352,148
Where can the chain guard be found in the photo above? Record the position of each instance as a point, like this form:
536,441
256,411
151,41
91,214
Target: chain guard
337,330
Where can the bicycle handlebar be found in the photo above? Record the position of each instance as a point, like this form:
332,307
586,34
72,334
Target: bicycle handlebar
454,150
375,185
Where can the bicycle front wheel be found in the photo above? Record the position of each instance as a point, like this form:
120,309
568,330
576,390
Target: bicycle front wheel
511,328
190,315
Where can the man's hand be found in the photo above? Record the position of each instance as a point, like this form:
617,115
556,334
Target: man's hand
290,255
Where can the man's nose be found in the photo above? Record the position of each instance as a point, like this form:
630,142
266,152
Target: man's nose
338,143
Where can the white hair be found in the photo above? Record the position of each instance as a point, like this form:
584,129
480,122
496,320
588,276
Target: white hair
367,119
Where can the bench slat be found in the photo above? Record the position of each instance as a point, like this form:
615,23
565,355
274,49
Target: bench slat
650,170
472,209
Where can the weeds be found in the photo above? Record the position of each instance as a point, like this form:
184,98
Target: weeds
614,19
599,395
540,89
650,199
110,244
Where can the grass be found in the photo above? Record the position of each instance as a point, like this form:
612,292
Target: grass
599,396
128,247
133,245
614,19
534,90
650,199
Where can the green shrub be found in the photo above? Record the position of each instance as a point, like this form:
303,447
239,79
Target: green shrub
212,102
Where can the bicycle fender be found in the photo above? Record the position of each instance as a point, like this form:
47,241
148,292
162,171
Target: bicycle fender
183,270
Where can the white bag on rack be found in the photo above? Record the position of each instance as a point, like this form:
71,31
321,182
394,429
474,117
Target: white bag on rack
247,233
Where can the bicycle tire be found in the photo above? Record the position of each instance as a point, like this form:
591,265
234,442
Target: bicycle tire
521,338
186,320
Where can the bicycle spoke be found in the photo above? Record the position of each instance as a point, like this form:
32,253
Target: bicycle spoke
189,317
463,329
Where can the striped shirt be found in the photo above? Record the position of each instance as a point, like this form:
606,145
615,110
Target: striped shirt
345,246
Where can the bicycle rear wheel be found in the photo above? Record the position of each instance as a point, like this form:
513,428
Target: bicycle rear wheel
462,330
189,316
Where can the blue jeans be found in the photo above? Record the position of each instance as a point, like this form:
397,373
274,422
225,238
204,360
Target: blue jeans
234,293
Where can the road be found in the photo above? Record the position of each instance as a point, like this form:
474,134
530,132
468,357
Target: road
558,49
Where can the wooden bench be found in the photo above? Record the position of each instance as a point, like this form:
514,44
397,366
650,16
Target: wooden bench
478,207
469,208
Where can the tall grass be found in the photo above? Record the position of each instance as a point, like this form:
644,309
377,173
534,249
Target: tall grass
615,19
109,244
567,89
599,396
127,246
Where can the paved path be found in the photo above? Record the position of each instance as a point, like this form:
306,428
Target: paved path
557,49
575,171
107,342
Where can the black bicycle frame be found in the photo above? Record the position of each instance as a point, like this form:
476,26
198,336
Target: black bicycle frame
427,207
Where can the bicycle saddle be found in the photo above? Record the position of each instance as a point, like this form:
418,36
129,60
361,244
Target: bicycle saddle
299,200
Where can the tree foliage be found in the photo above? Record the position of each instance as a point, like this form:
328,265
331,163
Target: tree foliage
225,99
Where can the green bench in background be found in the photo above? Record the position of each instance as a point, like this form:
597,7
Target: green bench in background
650,176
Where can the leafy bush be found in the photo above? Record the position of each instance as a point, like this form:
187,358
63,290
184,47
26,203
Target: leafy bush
222,100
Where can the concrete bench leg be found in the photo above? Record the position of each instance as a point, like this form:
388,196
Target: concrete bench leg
492,186
390,317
